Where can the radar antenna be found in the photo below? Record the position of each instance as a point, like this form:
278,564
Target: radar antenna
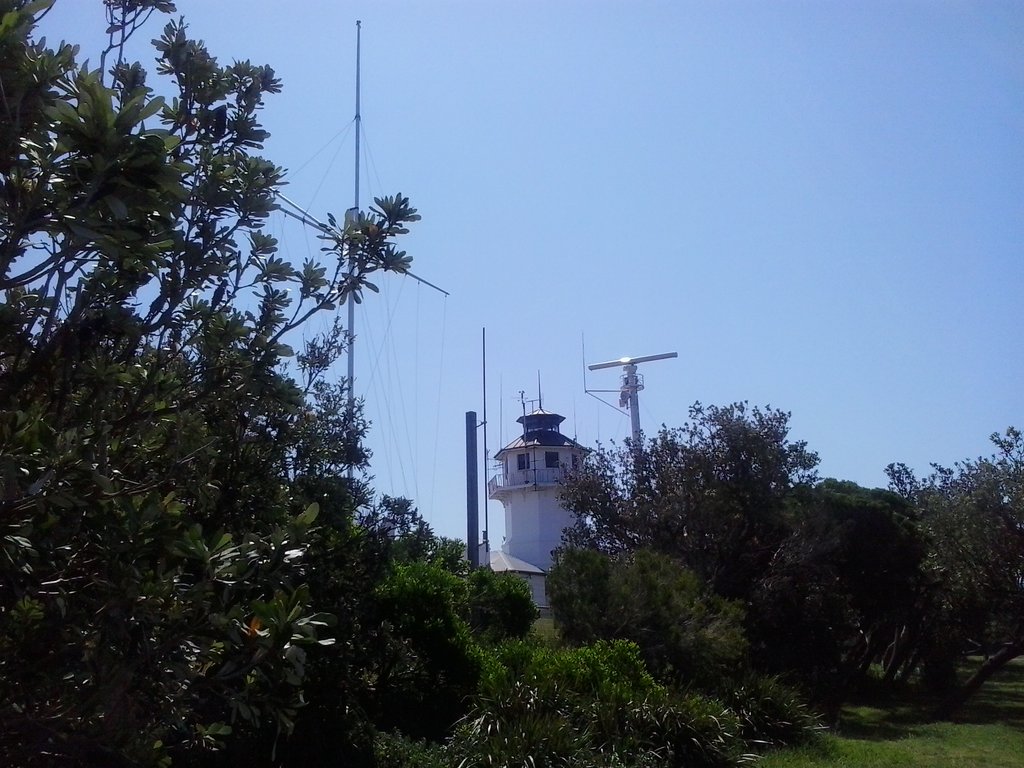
632,383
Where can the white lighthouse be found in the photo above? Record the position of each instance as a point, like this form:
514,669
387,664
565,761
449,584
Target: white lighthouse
530,470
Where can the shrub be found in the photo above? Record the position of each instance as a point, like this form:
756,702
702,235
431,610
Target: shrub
431,663
606,671
500,605
591,706
393,750
769,712
684,634
691,730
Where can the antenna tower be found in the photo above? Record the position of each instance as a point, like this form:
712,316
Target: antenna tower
632,383
297,212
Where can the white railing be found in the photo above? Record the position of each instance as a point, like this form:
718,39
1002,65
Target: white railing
519,477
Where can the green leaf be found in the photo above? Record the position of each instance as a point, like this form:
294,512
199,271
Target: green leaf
218,729
154,106
117,207
307,517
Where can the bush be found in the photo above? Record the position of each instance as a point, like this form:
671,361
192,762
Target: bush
690,730
684,634
393,750
592,706
500,605
770,713
606,671
432,663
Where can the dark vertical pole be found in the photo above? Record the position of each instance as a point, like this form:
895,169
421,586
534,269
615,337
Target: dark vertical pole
472,498
487,518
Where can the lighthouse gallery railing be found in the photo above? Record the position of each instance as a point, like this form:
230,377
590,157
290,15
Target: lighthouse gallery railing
520,477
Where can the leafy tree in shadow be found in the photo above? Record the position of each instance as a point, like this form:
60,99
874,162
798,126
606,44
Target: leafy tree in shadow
153,419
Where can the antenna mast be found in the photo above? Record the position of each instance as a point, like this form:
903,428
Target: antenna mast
351,253
300,214
632,383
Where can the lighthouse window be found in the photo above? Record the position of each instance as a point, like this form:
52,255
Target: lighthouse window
551,459
523,460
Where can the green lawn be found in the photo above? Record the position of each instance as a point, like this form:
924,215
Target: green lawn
895,734
544,628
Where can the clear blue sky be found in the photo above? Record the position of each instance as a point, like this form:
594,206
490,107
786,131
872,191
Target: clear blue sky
819,205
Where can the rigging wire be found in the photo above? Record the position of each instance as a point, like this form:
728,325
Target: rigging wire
381,376
327,169
385,376
416,386
403,410
380,384
328,143
395,377
368,157
437,409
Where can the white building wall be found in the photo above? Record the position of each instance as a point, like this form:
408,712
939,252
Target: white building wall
534,521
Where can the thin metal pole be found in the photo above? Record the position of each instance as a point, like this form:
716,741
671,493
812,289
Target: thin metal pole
351,253
359,117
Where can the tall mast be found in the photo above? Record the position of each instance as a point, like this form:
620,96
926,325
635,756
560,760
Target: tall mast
351,254
632,383
359,117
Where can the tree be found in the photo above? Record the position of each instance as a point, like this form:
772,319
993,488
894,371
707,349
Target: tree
431,663
974,516
684,634
500,605
841,590
712,494
151,433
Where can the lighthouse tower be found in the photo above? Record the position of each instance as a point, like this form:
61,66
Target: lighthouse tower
530,469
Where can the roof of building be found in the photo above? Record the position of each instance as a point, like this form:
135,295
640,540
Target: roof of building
503,561
559,418
540,428
546,439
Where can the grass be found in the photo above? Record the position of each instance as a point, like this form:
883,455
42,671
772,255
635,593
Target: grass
545,629
895,733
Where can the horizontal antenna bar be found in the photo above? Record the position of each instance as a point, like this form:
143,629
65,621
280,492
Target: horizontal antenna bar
306,217
426,282
622,361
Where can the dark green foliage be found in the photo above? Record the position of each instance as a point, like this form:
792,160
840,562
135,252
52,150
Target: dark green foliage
836,579
973,514
393,750
580,591
769,712
157,454
841,585
500,605
401,638
712,494
404,536
432,663
595,705
684,633
605,670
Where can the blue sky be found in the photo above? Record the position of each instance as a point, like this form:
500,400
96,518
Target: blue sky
819,205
